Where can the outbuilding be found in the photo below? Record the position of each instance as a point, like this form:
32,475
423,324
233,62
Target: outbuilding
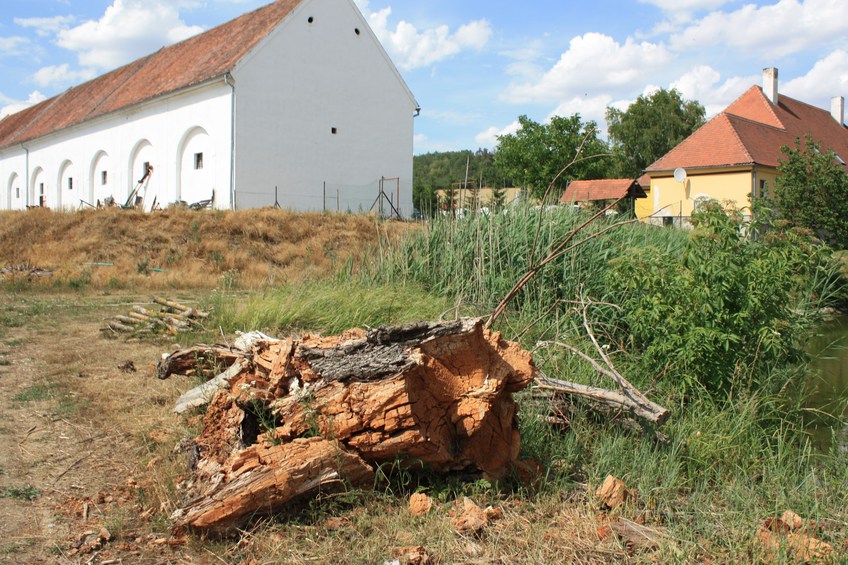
295,104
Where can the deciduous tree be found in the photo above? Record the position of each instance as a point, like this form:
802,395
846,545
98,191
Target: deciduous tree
650,128
535,154
812,191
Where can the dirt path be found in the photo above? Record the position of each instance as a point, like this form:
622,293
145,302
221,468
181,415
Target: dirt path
77,427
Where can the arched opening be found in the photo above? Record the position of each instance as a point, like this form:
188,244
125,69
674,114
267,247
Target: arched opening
38,189
68,186
143,182
10,201
100,179
196,166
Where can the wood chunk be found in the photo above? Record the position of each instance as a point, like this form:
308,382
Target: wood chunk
471,519
612,493
420,504
792,520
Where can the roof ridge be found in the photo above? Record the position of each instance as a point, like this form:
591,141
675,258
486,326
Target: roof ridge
753,122
738,139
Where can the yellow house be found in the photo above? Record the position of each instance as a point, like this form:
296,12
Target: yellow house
736,153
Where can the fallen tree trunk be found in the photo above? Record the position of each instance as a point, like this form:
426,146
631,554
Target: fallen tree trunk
298,415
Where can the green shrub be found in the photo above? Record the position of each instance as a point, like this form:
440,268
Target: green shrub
730,311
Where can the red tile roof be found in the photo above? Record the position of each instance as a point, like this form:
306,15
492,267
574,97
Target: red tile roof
602,189
752,130
191,62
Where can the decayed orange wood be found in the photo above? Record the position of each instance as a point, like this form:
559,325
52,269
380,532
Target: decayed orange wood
440,394
261,479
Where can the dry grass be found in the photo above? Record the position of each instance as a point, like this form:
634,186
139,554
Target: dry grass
187,249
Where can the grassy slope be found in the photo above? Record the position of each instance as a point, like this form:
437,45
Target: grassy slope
252,248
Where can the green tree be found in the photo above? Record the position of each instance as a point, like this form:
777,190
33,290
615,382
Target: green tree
811,191
535,154
434,171
650,128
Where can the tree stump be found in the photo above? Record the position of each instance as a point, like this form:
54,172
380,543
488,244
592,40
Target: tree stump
307,414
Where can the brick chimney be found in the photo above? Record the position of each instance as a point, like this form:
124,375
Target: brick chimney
770,84
837,109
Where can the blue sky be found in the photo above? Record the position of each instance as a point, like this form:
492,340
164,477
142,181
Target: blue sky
476,65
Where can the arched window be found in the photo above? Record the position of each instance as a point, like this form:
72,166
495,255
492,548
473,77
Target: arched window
196,166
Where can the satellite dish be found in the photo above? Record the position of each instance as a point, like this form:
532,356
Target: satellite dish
680,174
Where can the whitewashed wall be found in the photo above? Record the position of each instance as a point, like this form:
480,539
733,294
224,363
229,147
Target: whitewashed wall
167,133
305,79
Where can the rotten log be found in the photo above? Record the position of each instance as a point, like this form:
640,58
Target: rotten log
433,393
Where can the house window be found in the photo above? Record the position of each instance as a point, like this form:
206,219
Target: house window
17,192
104,177
334,131
198,161
70,183
41,194
668,221
763,189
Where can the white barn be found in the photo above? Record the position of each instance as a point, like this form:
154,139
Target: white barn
295,103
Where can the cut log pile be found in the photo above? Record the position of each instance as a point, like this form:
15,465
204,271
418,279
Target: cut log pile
291,417
164,316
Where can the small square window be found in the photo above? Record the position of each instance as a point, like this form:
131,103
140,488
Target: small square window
104,177
198,161
334,131
70,183
668,221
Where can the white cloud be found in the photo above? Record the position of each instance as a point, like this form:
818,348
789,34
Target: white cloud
13,46
827,78
46,27
412,49
589,108
489,138
128,29
61,75
593,61
704,84
774,30
34,98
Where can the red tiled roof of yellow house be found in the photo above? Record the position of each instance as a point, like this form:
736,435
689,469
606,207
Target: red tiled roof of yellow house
204,57
752,130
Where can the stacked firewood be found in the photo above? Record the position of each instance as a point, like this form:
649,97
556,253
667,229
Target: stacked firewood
165,316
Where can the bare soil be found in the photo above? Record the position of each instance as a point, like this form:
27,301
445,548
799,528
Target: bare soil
77,426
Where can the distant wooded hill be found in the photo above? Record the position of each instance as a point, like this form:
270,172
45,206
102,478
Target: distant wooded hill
434,171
